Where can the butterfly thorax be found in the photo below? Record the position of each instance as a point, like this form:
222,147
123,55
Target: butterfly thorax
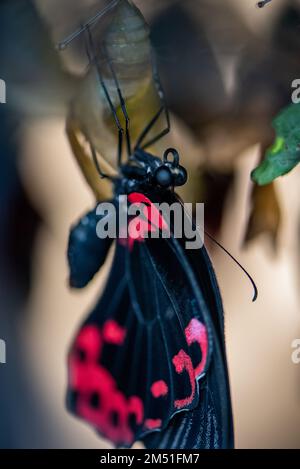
145,171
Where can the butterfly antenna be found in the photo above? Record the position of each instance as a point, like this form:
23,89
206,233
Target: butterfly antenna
255,290
64,44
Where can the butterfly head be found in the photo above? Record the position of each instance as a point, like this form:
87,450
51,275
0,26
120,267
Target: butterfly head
170,173
147,170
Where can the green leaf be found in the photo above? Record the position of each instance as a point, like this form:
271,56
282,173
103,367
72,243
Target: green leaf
284,154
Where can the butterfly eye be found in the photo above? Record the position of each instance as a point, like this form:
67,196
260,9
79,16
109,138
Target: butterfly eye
181,176
163,176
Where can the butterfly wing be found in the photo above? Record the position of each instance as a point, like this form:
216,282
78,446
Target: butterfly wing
205,426
86,251
210,425
128,373
99,363
92,392
137,361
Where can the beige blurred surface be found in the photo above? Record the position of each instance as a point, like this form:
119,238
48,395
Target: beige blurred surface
264,381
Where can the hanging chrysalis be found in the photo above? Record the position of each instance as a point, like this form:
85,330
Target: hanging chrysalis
125,51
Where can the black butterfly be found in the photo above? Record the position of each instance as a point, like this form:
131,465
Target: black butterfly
149,362
151,355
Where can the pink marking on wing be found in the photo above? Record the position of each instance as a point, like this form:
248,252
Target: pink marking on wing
89,340
151,424
136,408
182,362
136,197
113,333
88,377
140,226
196,332
159,388
151,220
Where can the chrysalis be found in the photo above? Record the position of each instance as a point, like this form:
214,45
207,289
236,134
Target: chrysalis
125,47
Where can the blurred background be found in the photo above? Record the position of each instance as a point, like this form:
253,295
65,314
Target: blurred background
227,69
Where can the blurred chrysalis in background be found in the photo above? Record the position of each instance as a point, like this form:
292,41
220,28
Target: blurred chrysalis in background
125,44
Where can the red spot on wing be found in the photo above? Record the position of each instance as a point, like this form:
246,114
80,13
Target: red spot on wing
196,332
159,388
137,197
151,212
182,362
113,412
151,424
141,225
89,341
100,401
136,408
113,333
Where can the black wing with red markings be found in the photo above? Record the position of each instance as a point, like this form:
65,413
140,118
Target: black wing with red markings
150,357
210,424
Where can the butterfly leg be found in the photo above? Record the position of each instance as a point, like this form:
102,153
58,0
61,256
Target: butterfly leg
96,163
153,121
91,53
101,191
123,106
